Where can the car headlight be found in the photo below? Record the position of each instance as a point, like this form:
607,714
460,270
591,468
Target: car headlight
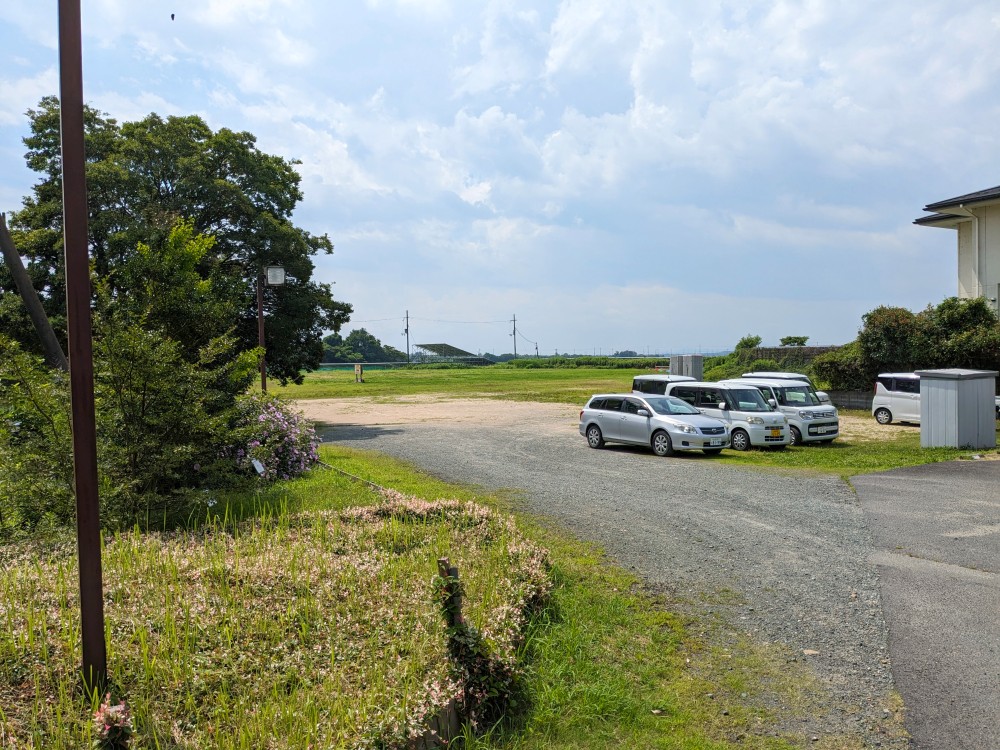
755,420
688,429
806,414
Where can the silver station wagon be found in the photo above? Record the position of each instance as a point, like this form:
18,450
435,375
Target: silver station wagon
663,423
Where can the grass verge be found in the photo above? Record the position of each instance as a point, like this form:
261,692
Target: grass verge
275,625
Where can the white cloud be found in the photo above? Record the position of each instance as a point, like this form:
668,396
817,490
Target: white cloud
20,94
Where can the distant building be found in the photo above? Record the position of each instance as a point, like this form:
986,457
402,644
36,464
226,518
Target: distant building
976,217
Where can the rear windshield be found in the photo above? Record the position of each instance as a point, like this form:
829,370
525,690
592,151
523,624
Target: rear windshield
746,399
671,405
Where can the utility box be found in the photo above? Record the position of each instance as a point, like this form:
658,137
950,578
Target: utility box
957,409
691,365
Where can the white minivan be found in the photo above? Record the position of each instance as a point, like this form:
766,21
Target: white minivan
655,385
809,419
751,420
822,395
897,397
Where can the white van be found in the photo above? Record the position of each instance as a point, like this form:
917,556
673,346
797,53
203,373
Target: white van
809,420
897,397
751,420
655,385
822,395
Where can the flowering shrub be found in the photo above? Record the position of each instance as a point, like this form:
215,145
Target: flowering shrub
281,440
112,725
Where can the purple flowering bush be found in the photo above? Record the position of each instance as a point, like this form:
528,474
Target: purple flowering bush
281,440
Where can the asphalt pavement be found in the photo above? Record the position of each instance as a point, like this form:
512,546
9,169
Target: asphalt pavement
936,534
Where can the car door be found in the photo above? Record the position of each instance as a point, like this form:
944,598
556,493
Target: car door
633,428
906,398
609,418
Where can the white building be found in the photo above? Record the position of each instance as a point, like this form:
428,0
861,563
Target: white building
976,216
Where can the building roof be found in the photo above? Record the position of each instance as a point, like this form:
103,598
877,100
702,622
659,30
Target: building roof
445,350
980,196
943,217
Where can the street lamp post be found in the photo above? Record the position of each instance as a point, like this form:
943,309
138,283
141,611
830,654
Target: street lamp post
272,276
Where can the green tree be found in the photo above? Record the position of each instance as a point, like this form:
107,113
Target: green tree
794,340
143,177
747,343
359,346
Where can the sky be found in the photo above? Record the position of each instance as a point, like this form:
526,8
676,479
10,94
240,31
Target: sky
662,176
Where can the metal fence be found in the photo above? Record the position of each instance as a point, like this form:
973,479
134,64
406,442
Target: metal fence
852,399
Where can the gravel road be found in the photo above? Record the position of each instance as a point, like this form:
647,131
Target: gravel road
794,550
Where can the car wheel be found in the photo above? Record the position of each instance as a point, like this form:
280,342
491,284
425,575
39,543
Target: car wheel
594,437
661,444
796,436
883,416
712,451
739,440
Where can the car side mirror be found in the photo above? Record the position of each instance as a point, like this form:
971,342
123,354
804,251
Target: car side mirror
773,403
723,406
643,412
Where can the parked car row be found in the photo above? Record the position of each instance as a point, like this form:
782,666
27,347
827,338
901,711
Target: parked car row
672,413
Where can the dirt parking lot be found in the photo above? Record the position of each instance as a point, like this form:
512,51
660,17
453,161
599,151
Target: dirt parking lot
429,409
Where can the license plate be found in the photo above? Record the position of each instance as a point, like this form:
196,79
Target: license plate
775,432
823,430
714,442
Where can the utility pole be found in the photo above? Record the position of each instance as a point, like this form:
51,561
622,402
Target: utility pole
515,336
407,332
81,351
536,351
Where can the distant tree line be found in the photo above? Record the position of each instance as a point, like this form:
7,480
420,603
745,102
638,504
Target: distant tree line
359,346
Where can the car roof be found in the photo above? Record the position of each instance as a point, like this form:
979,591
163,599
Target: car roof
912,375
661,376
776,375
716,384
776,382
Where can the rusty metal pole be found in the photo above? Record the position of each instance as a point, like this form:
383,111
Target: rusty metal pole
260,331
81,362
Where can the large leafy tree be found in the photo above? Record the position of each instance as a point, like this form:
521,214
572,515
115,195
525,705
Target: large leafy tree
955,333
143,179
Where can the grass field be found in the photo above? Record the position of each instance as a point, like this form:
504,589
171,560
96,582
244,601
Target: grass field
568,386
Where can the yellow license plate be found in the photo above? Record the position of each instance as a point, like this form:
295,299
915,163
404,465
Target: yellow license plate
775,432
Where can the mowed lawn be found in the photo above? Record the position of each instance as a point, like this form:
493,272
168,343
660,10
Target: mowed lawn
568,386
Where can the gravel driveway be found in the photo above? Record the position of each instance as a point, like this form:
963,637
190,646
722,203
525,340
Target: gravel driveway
793,550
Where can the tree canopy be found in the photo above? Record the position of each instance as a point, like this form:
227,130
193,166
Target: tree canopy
955,333
145,178
359,346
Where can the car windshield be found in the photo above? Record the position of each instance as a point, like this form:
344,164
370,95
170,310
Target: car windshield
747,399
671,405
800,395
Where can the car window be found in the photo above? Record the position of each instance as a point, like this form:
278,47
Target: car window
709,398
908,385
631,407
613,404
596,403
797,396
747,399
671,405
686,394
